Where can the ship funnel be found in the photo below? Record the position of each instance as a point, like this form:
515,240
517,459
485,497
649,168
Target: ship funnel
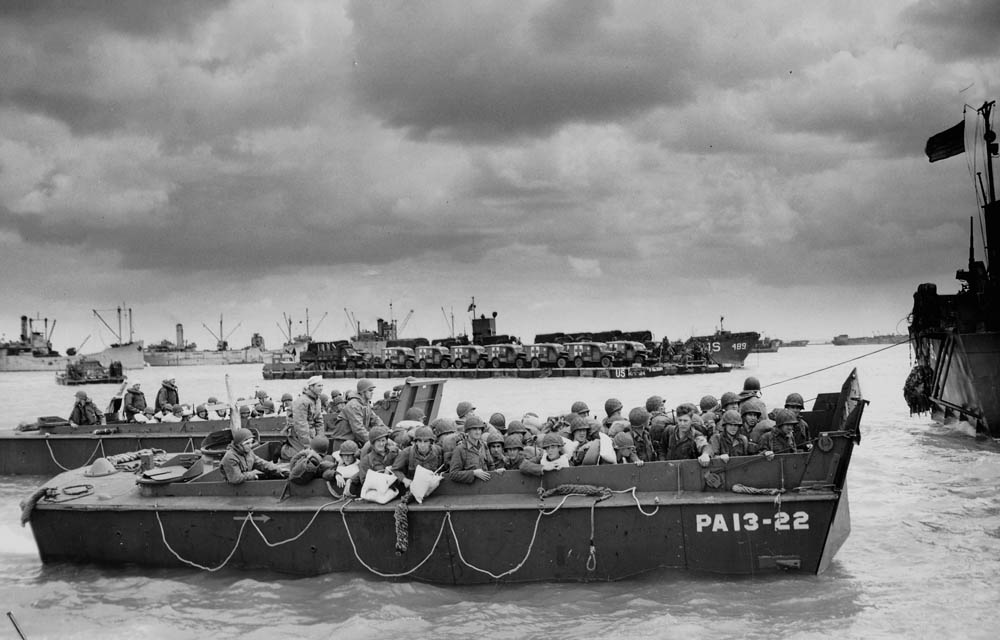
24,328
180,335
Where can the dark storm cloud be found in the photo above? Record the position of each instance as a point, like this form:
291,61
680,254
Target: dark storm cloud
175,17
481,72
955,29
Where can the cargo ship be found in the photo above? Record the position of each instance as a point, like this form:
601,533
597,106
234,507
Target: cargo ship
34,352
884,338
181,353
956,337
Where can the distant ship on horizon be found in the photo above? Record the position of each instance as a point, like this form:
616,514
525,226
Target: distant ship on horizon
884,338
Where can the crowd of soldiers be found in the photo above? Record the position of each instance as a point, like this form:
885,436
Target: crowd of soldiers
344,441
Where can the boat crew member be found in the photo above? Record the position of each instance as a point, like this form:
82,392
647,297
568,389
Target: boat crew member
470,461
424,452
638,419
729,441
379,457
781,439
306,420
240,463
357,418
625,449
135,402
84,412
167,394
613,410
682,442
311,461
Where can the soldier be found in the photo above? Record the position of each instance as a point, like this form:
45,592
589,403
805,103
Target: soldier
424,452
682,442
494,445
135,402
379,457
286,404
84,411
781,439
613,408
167,394
240,463
306,420
638,419
200,414
580,408
464,410
513,451
795,404
708,403
729,401
498,424
470,461
729,441
311,461
625,449
357,417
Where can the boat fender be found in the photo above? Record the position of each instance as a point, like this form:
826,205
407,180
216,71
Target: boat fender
825,443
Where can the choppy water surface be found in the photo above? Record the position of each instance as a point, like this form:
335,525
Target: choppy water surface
923,558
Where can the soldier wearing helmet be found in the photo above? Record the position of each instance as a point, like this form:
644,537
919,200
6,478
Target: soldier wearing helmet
286,403
379,457
751,412
84,411
729,401
513,451
200,414
240,463
638,419
795,404
682,442
470,461
781,439
580,408
306,420
424,452
708,403
552,456
494,445
463,410
613,408
625,449
312,461
357,417
729,441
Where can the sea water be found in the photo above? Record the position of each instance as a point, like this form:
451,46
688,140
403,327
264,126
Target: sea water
922,560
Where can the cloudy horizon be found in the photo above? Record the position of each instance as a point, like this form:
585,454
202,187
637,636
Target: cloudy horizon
577,165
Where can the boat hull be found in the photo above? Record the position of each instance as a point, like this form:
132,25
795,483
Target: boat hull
250,355
130,356
966,382
729,348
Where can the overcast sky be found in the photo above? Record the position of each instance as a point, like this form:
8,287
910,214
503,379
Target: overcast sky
577,165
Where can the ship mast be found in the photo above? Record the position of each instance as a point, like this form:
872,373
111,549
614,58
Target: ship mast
991,209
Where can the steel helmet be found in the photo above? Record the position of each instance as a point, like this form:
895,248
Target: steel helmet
794,400
261,394
623,440
611,405
785,416
200,408
364,384
579,407
708,403
442,426
732,416
349,448
752,406
423,433
516,426
654,403
552,440
729,398
242,435
319,444
81,395
474,422
513,441
494,438
324,399
178,410
414,413
577,423
498,420
285,397
751,384
464,408
638,417
244,410
214,400
377,432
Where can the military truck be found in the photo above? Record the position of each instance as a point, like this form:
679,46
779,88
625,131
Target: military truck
628,352
549,354
506,355
469,356
590,354
339,354
432,357
398,358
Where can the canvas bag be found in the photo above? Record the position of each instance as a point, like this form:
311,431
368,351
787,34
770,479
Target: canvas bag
378,487
424,483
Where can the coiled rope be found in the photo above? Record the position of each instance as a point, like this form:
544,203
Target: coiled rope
99,447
